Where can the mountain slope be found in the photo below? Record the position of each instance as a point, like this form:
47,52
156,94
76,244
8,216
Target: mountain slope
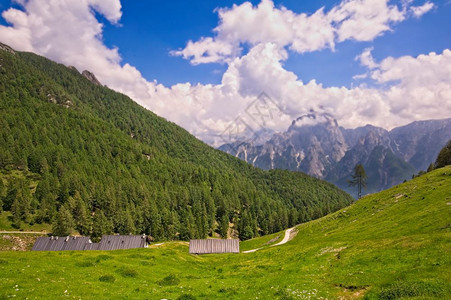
390,245
418,143
117,167
317,145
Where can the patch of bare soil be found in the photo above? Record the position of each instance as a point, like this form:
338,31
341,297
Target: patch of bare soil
16,242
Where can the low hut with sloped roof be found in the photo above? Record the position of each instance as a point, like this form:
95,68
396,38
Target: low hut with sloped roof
214,246
108,242
116,242
55,243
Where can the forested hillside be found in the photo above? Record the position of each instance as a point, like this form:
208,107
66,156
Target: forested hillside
86,158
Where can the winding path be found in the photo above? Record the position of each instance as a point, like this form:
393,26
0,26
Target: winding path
288,236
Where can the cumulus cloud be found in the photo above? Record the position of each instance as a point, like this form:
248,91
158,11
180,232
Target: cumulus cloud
364,20
422,84
366,59
360,20
67,31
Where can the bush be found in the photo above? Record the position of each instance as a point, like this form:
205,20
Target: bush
169,280
127,272
107,278
85,264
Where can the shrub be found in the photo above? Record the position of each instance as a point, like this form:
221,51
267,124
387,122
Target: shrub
127,272
85,264
169,280
107,278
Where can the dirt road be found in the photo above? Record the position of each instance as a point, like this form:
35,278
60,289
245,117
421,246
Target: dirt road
289,234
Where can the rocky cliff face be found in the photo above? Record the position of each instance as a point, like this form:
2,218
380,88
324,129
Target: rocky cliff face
317,145
419,142
91,77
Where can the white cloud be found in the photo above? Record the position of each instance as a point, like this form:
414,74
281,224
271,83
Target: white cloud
360,20
364,20
422,85
412,88
366,59
418,11
206,51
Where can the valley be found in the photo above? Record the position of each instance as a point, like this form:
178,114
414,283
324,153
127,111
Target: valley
389,245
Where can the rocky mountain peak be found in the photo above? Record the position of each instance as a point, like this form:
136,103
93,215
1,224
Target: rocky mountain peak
91,77
7,48
317,145
312,119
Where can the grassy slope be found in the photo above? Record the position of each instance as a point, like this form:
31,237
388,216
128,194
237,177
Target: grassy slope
386,245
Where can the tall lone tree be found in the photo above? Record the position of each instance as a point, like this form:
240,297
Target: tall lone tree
358,179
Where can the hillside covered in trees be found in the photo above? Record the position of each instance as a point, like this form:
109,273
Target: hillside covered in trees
83,157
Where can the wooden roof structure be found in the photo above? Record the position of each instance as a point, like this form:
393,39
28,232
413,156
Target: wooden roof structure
108,242
115,242
56,243
214,246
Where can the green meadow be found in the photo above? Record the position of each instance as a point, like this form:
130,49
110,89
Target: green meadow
391,245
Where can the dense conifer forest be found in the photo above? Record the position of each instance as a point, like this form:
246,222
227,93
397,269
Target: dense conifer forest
83,157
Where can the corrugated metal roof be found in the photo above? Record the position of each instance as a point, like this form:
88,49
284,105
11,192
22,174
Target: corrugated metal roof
108,242
114,242
60,243
214,246
91,246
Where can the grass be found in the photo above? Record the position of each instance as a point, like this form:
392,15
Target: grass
262,242
390,245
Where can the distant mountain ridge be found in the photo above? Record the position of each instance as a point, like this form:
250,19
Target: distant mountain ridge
317,145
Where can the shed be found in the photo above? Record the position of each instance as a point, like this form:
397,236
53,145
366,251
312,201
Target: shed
116,242
214,246
55,243
108,242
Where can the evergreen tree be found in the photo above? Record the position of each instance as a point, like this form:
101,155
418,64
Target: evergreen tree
2,193
10,197
224,226
358,179
444,156
64,223
101,225
83,223
126,224
15,211
246,233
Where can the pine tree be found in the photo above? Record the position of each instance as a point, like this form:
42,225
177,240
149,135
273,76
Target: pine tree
224,226
126,224
15,211
2,193
358,179
83,223
444,157
101,225
64,223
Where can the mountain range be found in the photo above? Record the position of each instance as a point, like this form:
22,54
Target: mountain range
317,145
80,156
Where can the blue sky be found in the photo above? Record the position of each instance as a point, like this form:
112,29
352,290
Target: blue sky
151,29
379,62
